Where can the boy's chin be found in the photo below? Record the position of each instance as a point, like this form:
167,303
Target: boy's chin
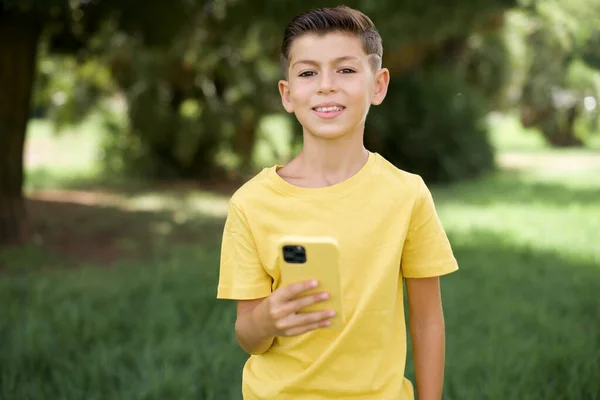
328,134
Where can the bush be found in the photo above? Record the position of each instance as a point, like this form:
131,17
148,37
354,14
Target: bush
157,141
431,123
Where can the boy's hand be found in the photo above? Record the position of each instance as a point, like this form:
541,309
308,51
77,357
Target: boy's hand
282,316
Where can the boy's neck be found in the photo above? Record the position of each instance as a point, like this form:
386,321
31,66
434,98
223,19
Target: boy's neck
332,161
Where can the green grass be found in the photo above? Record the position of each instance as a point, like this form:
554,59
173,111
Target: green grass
522,314
136,331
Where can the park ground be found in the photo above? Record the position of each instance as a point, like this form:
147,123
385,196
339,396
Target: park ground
115,296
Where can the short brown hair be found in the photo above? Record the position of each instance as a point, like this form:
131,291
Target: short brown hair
342,19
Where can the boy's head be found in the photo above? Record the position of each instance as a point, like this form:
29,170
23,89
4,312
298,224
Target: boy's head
340,19
332,59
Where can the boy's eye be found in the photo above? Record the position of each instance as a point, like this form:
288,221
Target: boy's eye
347,70
306,73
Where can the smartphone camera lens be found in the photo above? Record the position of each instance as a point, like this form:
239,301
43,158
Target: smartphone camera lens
294,254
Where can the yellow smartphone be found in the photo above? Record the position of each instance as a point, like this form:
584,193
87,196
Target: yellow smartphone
305,257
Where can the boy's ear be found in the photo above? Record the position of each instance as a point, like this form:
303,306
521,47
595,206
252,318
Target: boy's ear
284,90
382,80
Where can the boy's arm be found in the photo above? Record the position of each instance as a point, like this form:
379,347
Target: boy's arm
249,332
426,324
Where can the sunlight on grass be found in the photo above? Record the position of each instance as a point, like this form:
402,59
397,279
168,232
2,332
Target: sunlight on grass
201,203
571,233
54,158
184,206
507,133
542,210
594,142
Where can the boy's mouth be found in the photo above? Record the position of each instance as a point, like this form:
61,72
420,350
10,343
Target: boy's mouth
328,110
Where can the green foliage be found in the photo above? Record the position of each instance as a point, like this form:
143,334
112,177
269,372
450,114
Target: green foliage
37,8
163,141
431,123
591,52
560,38
67,90
487,66
193,101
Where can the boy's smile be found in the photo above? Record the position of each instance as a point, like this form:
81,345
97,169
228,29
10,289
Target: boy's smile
331,84
328,110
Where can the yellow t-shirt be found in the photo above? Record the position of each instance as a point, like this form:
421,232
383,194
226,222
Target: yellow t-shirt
387,228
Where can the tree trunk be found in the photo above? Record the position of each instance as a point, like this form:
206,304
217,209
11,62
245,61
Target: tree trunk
245,140
565,136
18,48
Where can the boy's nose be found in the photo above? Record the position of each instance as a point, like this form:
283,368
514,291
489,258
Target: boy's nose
327,83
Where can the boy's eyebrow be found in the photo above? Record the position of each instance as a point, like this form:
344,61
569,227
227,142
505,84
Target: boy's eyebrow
335,61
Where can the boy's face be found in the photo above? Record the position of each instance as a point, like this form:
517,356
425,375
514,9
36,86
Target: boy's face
331,84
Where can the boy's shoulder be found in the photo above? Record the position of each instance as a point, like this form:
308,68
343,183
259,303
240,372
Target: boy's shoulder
252,189
393,178
393,173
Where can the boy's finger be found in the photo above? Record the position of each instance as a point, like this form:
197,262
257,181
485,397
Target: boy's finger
289,292
316,317
306,328
297,304
305,301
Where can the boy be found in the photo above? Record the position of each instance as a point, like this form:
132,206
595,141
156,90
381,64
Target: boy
383,218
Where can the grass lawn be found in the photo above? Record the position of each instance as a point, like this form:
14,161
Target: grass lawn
115,299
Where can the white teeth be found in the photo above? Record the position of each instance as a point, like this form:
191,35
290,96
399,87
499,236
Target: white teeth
328,109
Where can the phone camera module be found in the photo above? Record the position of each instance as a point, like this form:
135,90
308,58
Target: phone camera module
294,254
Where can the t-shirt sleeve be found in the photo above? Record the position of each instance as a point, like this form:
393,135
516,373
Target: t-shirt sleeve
427,251
241,275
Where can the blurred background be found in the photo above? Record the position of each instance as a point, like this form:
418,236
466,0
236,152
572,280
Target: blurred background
125,127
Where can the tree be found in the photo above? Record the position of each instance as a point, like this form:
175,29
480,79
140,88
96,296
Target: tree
19,36
67,26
